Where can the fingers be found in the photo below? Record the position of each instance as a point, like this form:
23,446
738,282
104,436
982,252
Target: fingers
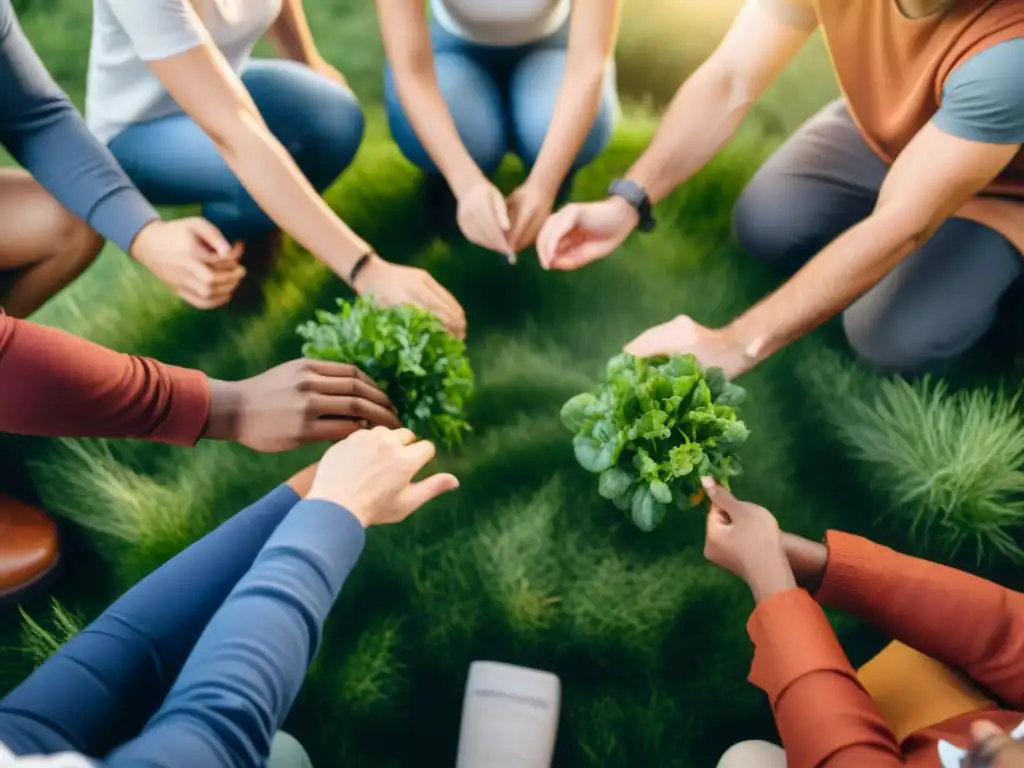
353,406
332,430
722,499
418,494
644,345
212,238
554,231
985,729
340,370
576,255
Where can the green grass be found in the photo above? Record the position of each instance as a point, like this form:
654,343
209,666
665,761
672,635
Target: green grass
525,563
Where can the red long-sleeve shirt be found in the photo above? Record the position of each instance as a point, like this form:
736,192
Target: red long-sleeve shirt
56,384
824,716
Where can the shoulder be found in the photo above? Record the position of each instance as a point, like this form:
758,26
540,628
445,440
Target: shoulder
983,98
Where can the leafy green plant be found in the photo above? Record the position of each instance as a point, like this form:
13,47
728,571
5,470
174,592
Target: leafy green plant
406,350
652,429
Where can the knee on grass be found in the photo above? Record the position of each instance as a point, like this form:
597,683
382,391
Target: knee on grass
763,224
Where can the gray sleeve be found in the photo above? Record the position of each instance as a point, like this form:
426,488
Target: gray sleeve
796,13
983,98
159,29
43,131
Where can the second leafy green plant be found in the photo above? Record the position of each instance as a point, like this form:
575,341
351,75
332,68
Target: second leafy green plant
651,430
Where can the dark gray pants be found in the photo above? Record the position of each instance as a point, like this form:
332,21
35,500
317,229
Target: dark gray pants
930,308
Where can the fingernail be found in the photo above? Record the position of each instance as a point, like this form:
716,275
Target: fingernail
708,482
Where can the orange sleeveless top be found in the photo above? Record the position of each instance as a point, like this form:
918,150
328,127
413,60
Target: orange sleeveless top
892,69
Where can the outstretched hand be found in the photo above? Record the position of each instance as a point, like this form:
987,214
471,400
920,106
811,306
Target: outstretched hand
299,402
581,233
371,475
682,335
745,539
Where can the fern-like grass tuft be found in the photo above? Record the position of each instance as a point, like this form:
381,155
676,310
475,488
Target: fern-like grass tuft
39,642
952,461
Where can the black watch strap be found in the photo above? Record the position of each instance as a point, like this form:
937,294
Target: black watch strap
636,196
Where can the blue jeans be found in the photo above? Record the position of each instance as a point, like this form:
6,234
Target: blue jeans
501,99
173,162
100,689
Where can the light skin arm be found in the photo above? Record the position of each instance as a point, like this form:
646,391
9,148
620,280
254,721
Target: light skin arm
406,38
933,177
210,92
709,107
593,29
290,34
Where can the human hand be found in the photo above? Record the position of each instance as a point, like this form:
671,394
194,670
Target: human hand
394,284
993,747
483,218
299,402
581,233
371,473
745,539
192,258
324,69
713,347
529,206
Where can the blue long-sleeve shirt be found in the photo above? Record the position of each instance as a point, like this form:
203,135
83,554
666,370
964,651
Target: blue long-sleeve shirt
43,131
247,667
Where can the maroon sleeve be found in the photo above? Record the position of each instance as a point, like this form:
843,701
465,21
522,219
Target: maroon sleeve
58,385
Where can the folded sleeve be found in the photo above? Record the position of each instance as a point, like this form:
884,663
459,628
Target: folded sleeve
983,98
824,716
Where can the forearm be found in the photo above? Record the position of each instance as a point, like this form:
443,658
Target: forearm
57,385
824,717
807,559
290,34
576,107
703,116
275,182
840,274
432,121
247,667
958,619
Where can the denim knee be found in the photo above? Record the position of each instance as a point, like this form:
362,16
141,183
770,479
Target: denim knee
332,140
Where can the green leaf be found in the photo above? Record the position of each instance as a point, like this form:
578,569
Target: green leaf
614,483
592,455
645,510
574,412
661,492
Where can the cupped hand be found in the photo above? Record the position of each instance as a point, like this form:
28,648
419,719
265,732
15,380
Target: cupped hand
529,206
483,218
192,258
299,402
745,539
581,233
713,347
394,284
371,475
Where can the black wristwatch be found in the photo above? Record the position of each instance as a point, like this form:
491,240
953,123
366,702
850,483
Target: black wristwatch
636,196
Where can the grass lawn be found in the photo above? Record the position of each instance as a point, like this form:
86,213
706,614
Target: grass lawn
525,563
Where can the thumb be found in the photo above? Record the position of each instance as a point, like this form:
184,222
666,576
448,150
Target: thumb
552,233
212,238
721,498
500,208
418,494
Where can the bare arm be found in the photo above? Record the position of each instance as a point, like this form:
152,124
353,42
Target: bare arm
406,36
934,176
291,36
593,29
709,107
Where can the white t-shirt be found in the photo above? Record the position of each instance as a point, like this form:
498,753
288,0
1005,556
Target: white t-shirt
62,760
497,22
126,34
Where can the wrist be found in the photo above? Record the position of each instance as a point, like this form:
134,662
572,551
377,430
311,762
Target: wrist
771,577
808,560
462,183
140,245
625,210
226,404
749,342
364,270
